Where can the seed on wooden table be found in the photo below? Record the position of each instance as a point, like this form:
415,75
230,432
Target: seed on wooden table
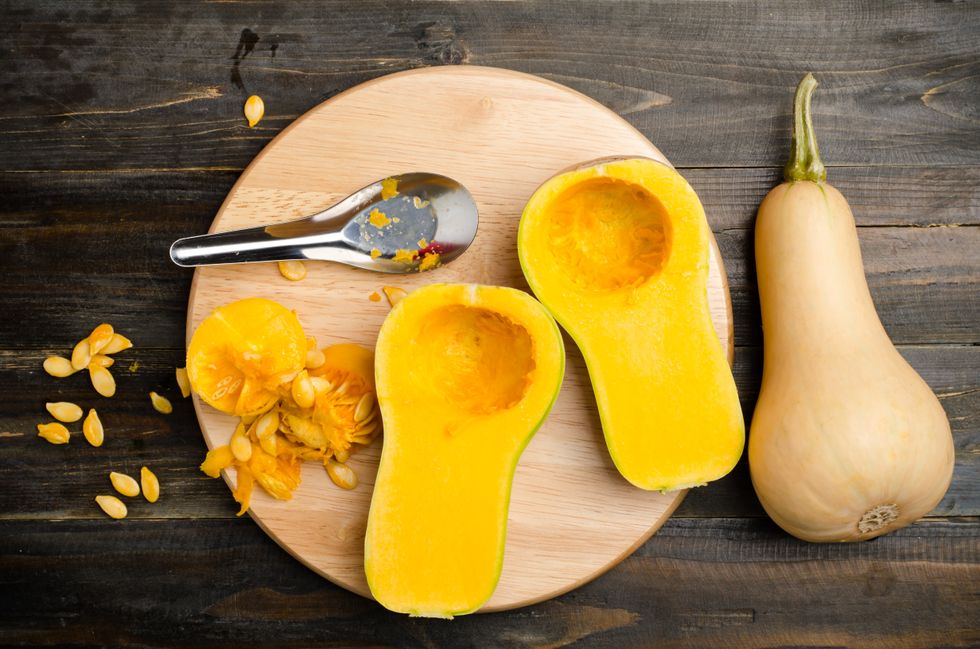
302,390
124,484
80,355
64,411
241,448
341,474
103,360
292,270
183,382
92,428
117,344
99,338
102,380
112,506
161,404
54,433
254,110
150,484
58,366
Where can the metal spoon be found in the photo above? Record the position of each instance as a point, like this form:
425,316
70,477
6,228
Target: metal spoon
431,214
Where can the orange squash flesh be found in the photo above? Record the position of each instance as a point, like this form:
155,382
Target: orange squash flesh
465,375
618,252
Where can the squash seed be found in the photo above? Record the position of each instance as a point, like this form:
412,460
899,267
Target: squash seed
117,344
99,338
103,360
64,411
302,390
321,385
183,382
161,403
315,359
268,444
254,110
102,380
150,485
364,407
341,474
394,294
292,270
267,424
341,455
124,484
80,355
241,448
54,433
92,428
112,506
58,366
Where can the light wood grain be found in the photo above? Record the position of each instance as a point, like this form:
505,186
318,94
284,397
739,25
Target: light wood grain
501,134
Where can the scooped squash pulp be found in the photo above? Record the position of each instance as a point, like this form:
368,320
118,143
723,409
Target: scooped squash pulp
465,374
618,252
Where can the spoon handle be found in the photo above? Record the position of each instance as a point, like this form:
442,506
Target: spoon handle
250,245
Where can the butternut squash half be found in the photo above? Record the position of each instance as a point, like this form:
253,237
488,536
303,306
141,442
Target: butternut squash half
465,375
618,252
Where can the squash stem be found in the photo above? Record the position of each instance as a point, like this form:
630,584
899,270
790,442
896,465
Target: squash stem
804,155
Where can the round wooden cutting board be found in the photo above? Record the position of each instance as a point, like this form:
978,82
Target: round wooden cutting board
500,133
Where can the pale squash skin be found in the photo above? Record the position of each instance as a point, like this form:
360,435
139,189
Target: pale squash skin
843,424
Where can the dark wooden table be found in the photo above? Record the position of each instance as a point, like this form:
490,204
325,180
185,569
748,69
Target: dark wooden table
121,129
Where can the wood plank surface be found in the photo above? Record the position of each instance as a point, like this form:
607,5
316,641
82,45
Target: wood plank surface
735,583
121,129
162,85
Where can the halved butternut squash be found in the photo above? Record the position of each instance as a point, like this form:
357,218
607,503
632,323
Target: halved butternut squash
618,252
465,375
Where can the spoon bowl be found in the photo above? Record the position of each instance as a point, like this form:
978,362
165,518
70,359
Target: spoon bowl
431,220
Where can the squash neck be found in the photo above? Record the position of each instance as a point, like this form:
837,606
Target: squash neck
804,154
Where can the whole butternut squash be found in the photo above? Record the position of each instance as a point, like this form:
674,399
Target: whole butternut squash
847,442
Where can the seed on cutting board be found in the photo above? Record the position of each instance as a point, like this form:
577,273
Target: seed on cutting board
315,359
117,344
241,448
112,506
161,404
364,407
99,338
394,294
183,382
293,270
80,355
341,474
102,380
54,433
64,411
302,390
150,484
254,110
124,484
267,425
92,428
58,366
